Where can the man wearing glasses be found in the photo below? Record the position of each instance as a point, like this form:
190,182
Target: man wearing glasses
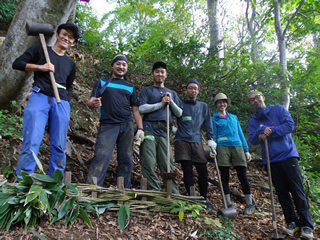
188,145
274,123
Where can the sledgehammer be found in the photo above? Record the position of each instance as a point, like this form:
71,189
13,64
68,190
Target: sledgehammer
42,29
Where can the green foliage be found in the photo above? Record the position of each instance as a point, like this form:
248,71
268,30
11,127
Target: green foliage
123,216
29,200
10,124
220,233
7,10
90,27
181,207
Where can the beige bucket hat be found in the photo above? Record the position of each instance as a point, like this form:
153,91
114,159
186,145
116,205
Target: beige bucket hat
221,96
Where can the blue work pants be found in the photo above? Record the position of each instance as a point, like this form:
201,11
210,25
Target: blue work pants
40,110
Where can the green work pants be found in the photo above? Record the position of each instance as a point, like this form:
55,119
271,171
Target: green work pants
153,151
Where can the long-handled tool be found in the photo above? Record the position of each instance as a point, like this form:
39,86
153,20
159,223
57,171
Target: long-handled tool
275,234
169,176
42,29
226,212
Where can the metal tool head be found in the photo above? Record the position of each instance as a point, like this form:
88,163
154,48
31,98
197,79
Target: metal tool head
169,176
228,212
34,29
276,235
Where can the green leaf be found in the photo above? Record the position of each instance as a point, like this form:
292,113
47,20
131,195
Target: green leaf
43,201
70,203
38,235
181,215
37,160
26,179
33,193
57,176
70,214
3,182
62,210
175,210
43,178
85,217
75,214
123,214
5,197
72,188
18,214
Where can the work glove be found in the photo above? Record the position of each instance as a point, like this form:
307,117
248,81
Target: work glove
248,156
212,145
139,137
213,154
174,130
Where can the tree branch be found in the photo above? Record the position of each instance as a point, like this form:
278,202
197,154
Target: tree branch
293,15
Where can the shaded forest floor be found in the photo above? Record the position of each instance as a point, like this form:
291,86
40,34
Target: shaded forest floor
81,140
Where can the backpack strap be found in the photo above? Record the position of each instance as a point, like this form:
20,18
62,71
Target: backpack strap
107,80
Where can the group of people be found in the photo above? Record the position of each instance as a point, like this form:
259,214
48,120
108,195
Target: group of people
119,103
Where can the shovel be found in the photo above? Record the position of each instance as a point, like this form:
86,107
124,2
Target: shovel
168,176
226,212
275,234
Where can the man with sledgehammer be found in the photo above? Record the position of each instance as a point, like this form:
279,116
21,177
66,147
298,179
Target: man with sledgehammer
274,122
42,106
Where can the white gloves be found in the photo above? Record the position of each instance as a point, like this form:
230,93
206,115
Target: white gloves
212,145
139,137
248,156
174,130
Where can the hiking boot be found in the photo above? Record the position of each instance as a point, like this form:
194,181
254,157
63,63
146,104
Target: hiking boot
208,206
291,229
248,210
306,233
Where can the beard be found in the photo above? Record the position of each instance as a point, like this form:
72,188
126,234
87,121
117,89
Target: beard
118,75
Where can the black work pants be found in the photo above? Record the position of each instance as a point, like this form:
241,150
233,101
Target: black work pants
242,175
202,176
287,179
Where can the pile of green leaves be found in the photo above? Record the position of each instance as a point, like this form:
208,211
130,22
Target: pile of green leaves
38,195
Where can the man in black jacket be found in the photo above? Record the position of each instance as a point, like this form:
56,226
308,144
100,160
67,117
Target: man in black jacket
188,145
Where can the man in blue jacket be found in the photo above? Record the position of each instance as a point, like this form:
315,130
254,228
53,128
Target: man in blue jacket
188,146
273,122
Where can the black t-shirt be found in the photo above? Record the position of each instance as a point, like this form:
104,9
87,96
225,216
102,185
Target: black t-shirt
65,70
116,100
156,121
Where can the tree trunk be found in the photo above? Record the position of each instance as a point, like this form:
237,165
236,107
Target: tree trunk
15,85
252,28
216,36
285,90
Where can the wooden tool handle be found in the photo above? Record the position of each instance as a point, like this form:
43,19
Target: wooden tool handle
220,183
270,181
53,81
168,139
